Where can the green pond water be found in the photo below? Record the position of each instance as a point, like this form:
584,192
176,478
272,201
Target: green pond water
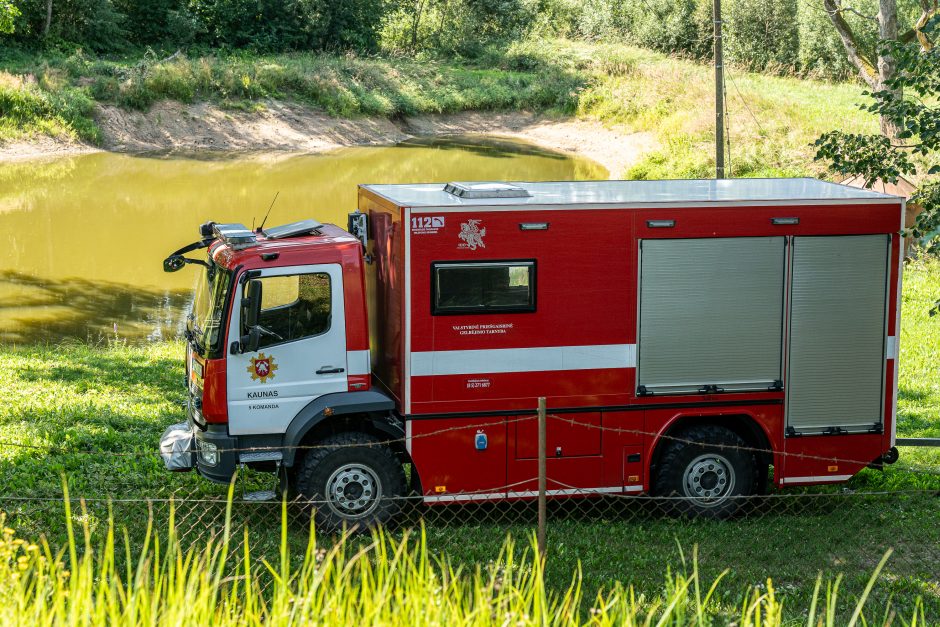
82,238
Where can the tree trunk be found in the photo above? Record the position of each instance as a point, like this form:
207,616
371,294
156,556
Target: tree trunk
887,31
45,27
415,23
873,71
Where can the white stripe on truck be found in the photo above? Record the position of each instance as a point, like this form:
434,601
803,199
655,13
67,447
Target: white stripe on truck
538,359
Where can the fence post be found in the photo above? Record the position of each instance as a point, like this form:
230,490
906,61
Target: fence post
542,444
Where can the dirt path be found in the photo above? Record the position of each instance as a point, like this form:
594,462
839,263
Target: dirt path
280,126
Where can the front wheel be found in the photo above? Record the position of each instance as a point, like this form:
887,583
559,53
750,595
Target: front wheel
706,471
352,480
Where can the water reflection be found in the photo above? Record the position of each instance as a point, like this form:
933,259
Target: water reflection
82,238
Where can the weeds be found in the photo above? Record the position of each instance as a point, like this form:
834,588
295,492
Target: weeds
381,579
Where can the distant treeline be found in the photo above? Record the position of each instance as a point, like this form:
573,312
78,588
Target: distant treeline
786,36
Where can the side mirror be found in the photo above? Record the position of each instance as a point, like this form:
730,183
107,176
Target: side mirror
173,263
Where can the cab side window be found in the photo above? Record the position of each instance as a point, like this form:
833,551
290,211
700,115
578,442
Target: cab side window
294,307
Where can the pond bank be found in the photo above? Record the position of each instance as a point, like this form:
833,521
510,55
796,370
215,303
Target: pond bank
279,126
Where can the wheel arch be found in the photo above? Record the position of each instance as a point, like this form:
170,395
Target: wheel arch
369,412
741,423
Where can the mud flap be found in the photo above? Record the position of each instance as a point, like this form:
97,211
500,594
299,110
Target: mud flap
178,448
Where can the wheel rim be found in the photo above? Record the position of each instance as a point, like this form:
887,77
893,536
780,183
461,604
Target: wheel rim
353,491
709,480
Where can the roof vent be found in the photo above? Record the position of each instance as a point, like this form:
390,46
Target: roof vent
486,190
294,229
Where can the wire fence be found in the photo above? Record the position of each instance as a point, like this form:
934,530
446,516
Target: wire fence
790,535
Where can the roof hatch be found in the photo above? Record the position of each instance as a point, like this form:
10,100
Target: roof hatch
303,227
486,190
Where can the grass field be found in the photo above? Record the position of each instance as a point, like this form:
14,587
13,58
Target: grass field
772,120
96,413
379,581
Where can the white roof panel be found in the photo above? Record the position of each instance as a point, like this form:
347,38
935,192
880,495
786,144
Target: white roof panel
642,193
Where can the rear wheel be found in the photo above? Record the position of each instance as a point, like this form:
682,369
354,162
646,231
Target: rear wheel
352,480
706,471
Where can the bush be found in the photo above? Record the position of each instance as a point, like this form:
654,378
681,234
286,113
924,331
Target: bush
95,24
762,35
462,28
45,105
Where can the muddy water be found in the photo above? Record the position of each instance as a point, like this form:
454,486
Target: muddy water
82,238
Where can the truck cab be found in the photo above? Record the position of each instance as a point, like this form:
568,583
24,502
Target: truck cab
277,348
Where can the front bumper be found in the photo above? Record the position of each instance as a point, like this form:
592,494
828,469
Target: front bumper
224,456
211,452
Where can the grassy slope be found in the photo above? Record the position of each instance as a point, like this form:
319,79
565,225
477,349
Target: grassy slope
71,405
772,119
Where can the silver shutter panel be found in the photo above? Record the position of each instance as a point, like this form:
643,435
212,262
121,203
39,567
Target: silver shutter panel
835,376
711,313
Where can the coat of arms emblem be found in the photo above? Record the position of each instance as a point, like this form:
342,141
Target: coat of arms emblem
262,368
472,235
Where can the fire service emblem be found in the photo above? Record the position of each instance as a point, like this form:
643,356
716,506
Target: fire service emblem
262,368
472,235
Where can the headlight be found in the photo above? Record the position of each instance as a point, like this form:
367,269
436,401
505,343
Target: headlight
208,453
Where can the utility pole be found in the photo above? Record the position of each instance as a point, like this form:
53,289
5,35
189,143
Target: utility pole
543,443
719,97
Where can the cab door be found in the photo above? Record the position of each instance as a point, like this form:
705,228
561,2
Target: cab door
302,353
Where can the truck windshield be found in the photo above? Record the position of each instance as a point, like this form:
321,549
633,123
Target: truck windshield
208,316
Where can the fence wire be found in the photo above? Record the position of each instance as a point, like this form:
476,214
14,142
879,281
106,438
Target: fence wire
792,535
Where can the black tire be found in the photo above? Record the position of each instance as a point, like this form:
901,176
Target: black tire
710,467
351,480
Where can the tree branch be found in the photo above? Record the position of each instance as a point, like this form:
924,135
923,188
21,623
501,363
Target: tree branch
860,14
928,8
866,69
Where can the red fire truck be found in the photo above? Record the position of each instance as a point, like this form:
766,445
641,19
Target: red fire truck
689,336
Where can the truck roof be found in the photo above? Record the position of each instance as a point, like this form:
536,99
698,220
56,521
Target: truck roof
794,191
290,250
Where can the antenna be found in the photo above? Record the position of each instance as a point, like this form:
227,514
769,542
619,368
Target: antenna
261,228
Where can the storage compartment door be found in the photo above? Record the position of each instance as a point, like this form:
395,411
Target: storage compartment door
711,314
835,372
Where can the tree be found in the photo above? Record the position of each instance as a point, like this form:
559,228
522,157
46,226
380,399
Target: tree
917,120
876,67
8,15
48,22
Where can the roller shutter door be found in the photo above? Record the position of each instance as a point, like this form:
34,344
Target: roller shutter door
711,314
835,374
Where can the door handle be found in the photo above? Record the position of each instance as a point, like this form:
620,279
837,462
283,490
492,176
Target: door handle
330,370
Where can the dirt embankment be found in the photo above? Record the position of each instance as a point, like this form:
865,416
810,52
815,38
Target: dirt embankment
288,127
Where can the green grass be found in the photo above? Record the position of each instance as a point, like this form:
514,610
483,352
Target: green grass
772,120
47,107
95,413
380,581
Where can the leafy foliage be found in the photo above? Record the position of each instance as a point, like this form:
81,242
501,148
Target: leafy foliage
463,28
8,15
763,35
909,101
780,36
872,156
